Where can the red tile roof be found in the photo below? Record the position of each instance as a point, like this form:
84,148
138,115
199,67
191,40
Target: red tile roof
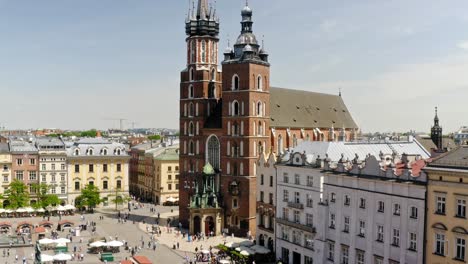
39,229
142,260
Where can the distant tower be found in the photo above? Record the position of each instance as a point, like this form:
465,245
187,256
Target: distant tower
436,132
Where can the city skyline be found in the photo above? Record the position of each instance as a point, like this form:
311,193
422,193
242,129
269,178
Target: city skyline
78,64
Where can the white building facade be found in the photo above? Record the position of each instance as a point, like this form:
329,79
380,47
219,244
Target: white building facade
53,169
373,214
266,201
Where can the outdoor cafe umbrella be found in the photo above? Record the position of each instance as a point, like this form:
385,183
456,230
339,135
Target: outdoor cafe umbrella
224,261
62,240
69,207
40,210
244,253
2,210
60,208
8,211
21,210
46,241
260,250
46,258
232,245
114,243
62,257
29,209
246,243
171,199
98,244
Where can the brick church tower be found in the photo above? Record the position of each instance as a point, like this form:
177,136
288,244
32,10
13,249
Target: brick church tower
224,125
200,90
246,117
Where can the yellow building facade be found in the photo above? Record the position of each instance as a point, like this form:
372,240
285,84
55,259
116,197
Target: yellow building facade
97,162
447,198
166,175
5,166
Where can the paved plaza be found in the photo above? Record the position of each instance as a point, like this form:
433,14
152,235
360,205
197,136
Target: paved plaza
134,231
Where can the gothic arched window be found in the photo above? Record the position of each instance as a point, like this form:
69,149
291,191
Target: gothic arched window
259,108
190,91
191,109
235,108
259,83
191,129
235,82
191,74
203,51
214,152
193,52
191,147
213,74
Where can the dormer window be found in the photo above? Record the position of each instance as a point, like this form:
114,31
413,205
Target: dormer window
77,152
104,152
89,152
118,152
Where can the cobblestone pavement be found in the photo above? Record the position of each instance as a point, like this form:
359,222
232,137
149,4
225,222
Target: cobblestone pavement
109,227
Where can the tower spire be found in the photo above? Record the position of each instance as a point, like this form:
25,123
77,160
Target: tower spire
202,9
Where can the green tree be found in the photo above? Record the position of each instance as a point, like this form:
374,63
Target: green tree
154,137
89,197
44,198
89,133
17,194
119,198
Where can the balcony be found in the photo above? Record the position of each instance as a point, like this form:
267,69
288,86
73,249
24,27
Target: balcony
296,205
300,226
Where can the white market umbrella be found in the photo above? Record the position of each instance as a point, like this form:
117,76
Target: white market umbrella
69,207
46,258
171,199
21,210
114,243
244,253
62,257
224,261
62,240
29,209
61,245
2,210
41,210
98,244
8,211
260,250
205,251
247,243
232,245
60,208
45,241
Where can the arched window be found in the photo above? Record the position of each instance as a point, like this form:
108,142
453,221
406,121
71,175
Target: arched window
235,82
259,108
308,137
118,151
104,152
90,151
193,51
203,51
280,144
191,129
191,147
235,129
259,83
259,127
235,108
213,74
77,152
191,74
213,52
235,172
213,153
191,109
190,91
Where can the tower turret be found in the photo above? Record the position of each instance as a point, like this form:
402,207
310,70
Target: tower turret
436,132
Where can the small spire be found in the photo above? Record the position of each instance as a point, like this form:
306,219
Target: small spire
339,93
246,2
436,110
263,42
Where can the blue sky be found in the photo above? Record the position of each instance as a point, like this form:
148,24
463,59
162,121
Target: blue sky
76,64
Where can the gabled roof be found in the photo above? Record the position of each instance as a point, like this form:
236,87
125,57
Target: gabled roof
304,109
457,158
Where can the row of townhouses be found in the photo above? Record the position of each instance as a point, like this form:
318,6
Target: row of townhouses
154,171
363,202
65,166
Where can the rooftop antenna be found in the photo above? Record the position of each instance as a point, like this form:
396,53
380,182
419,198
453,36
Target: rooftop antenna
263,42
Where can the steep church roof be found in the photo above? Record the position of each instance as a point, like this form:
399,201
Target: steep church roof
303,109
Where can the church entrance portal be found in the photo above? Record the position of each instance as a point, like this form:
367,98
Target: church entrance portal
196,224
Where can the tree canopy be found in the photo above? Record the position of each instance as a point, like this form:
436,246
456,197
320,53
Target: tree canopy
89,197
17,194
154,137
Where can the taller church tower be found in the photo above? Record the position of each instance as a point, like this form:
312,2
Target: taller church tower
246,121
200,92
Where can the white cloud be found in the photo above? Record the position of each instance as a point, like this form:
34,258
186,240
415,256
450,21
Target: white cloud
463,45
328,25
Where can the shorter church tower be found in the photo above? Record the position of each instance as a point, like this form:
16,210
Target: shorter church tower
436,133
